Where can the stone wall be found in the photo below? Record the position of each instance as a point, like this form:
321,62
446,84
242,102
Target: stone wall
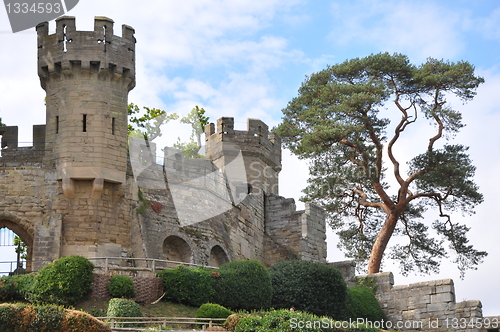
348,270
425,306
147,289
299,233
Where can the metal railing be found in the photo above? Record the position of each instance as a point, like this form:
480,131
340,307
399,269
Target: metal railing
161,323
12,266
108,264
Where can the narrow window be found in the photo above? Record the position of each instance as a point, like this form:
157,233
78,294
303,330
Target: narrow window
65,40
113,126
57,124
85,123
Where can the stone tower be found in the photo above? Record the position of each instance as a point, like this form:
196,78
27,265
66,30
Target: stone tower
87,76
261,151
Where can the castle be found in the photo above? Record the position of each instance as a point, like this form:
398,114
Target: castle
84,189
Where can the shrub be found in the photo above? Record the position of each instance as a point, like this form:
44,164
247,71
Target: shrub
8,290
243,285
16,287
188,285
363,304
212,310
308,286
65,281
27,318
25,286
124,308
121,286
297,321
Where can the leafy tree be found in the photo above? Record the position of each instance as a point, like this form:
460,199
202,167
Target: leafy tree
197,119
189,149
343,121
148,125
21,247
1,123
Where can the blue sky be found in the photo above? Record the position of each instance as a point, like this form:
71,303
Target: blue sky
247,58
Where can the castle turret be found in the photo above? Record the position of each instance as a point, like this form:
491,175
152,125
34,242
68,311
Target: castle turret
261,151
87,76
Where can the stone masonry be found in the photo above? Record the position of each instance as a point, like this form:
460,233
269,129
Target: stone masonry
429,306
77,191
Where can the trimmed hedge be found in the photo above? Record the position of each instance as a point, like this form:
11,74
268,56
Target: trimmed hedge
212,310
124,308
28,318
363,304
188,285
243,285
65,281
121,286
309,286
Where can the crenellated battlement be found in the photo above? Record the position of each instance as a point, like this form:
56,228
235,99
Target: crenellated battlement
256,139
260,148
99,54
9,145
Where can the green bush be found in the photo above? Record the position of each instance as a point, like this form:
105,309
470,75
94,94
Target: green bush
25,286
16,287
121,286
309,286
212,310
243,285
286,320
124,308
363,304
8,289
46,318
65,281
188,285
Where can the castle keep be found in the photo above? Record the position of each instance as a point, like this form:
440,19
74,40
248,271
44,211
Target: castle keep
80,191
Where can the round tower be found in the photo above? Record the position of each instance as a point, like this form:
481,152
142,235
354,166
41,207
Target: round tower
87,76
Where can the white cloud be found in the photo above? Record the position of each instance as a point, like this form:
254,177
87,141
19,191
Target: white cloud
421,29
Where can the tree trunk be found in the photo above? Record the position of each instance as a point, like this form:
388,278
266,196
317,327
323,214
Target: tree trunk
381,242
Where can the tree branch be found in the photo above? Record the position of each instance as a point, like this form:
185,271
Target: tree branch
364,201
439,134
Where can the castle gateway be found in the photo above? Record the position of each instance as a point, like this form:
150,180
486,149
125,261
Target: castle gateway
84,189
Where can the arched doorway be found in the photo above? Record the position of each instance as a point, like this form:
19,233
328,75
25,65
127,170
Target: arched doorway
176,249
25,236
218,256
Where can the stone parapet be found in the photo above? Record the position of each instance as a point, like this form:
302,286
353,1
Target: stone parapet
70,53
424,306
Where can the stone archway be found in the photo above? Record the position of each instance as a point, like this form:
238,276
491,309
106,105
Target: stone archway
218,256
176,249
22,229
